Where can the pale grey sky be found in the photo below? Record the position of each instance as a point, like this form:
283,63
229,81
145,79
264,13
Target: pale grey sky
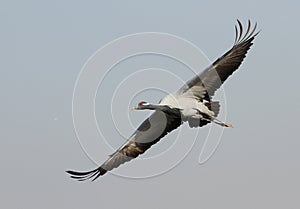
43,48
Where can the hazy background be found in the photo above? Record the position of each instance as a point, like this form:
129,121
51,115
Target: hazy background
44,45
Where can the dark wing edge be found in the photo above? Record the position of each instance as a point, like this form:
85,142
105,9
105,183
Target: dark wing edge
214,76
139,142
82,176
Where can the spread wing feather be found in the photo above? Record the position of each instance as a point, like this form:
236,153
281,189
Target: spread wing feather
149,132
204,85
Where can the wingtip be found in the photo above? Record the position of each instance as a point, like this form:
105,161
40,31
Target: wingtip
239,34
82,176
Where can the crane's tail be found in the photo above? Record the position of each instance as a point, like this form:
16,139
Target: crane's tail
82,176
213,106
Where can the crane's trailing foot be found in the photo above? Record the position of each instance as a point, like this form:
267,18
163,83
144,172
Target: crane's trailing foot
217,121
228,125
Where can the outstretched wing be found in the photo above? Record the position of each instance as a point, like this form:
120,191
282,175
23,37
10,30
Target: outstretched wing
149,132
204,85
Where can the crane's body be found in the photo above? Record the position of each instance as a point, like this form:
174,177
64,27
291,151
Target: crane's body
189,106
192,103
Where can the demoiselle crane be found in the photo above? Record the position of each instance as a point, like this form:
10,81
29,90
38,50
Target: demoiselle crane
192,103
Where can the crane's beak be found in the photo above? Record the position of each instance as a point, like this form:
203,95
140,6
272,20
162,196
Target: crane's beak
133,108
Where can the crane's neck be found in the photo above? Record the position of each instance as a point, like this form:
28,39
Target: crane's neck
154,107
175,112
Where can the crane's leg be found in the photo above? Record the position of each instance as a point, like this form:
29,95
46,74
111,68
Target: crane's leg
209,116
217,121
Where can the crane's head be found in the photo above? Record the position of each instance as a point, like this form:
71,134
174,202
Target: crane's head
141,106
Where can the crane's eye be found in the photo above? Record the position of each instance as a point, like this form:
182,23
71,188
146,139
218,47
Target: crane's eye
141,103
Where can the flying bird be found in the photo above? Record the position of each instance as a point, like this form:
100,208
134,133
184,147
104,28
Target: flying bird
192,103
